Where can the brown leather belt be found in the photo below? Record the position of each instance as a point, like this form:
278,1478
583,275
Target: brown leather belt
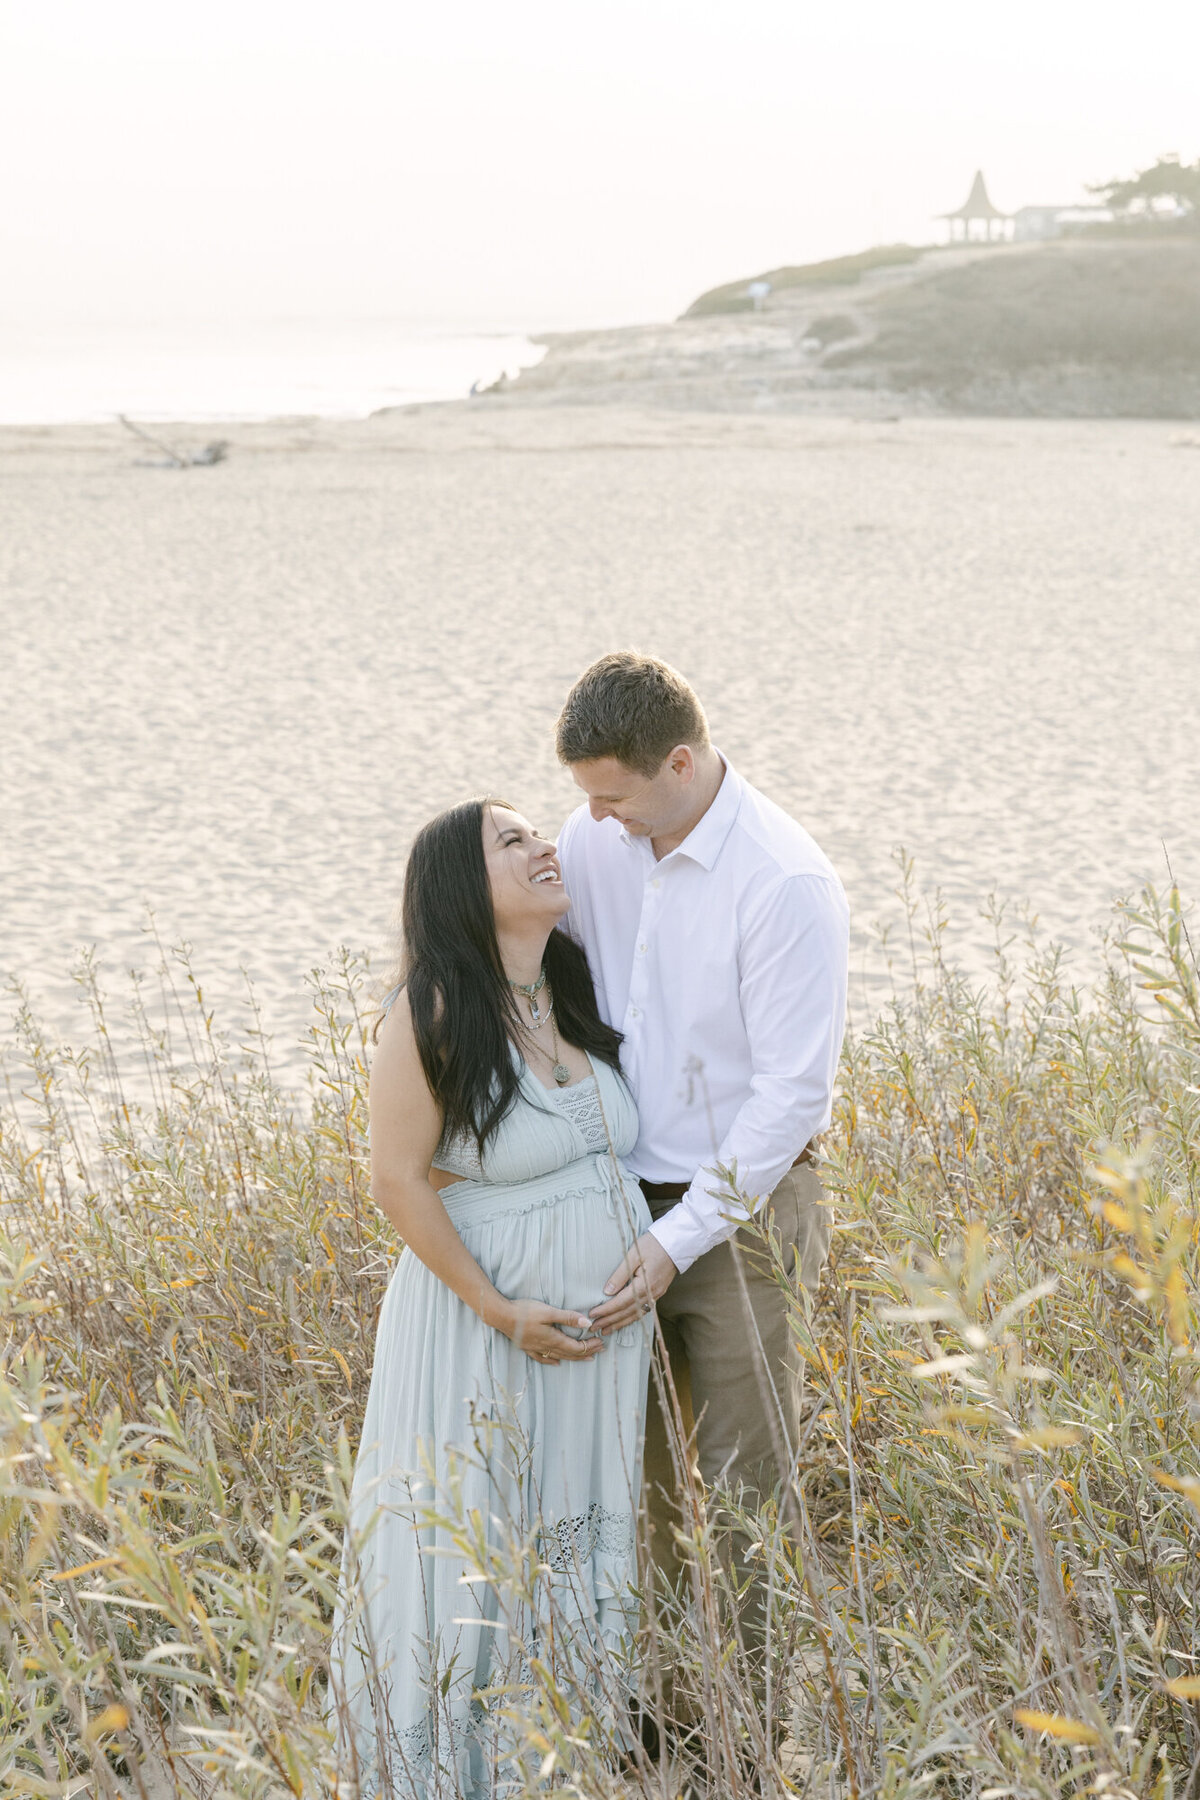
675,1190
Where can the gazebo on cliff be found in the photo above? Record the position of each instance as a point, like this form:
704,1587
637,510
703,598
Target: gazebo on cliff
978,221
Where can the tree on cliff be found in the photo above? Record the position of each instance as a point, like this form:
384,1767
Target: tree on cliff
1142,195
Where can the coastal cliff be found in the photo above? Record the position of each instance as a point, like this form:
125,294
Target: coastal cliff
1079,328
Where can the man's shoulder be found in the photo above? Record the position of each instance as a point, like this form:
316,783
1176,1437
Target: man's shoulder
583,838
778,843
569,830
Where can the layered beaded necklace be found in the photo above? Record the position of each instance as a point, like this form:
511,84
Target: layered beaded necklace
531,990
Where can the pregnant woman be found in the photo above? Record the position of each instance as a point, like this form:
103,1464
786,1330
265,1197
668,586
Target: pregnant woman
495,1417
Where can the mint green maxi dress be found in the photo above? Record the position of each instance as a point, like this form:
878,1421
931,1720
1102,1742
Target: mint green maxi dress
470,1450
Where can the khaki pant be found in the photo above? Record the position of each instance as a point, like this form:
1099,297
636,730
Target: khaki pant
717,1358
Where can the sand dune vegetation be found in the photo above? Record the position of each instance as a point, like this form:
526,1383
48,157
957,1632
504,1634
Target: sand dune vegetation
834,271
1072,329
984,1572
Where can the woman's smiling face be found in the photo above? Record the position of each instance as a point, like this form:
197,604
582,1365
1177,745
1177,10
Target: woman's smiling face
523,872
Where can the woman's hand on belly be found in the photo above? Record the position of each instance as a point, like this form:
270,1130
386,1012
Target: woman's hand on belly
536,1329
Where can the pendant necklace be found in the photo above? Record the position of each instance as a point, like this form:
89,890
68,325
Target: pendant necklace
531,990
560,1071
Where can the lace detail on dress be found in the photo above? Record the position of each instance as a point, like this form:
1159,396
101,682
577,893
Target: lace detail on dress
573,1542
407,1765
581,1104
459,1156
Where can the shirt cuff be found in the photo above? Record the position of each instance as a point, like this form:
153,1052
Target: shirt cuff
675,1233
684,1236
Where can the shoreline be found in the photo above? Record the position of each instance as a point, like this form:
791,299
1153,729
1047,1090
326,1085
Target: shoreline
1077,328
510,418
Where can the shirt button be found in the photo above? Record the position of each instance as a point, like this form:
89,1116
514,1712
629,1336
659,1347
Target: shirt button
657,882
641,949
633,1012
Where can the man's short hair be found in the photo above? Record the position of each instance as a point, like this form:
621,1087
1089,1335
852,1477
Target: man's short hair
632,707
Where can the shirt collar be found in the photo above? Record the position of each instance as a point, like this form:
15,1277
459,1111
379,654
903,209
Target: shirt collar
703,843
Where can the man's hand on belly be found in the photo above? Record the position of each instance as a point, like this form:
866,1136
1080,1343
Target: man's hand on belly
635,1284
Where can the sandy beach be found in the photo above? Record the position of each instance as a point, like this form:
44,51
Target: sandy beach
231,693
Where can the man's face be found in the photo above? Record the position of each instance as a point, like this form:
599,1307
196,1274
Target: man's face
647,806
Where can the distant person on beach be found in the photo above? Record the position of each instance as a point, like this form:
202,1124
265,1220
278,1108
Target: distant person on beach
497,1414
717,935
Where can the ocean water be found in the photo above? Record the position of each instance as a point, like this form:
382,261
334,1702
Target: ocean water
58,372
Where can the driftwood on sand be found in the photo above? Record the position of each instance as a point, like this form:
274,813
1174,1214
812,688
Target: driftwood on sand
171,458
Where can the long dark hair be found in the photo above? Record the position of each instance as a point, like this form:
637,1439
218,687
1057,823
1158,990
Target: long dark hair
462,1008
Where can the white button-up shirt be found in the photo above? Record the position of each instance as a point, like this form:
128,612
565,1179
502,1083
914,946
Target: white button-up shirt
725,966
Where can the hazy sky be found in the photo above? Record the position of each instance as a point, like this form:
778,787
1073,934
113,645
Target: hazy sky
537,162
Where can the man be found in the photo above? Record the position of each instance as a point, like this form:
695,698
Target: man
718,934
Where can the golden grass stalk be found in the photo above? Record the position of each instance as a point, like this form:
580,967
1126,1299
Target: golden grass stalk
984,1566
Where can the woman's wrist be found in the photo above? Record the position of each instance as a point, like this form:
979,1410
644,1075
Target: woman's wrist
498,1312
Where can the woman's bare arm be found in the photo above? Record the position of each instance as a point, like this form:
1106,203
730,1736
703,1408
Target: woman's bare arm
406,1128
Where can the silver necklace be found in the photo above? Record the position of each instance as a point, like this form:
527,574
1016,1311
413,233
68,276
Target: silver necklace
531,990
558,1067
539,1019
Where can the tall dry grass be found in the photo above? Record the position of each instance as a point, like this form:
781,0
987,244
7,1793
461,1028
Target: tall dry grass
983,1573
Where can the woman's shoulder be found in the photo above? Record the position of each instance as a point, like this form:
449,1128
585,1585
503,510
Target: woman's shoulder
397,1050
396,1005
395,1021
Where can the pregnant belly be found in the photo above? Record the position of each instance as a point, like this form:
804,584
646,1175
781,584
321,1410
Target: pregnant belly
562,1253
